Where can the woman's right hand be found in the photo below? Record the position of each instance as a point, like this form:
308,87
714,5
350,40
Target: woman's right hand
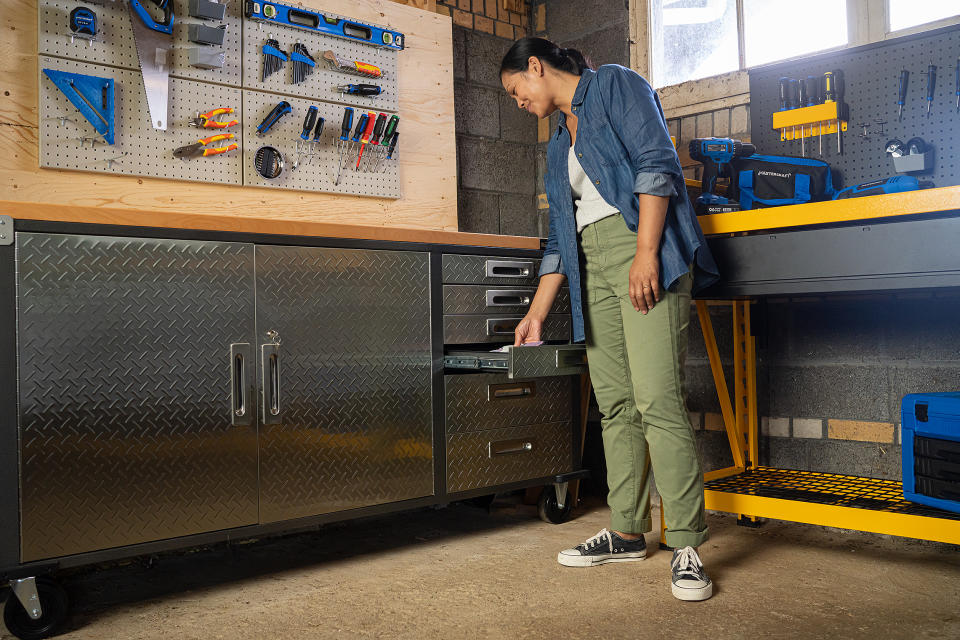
529,329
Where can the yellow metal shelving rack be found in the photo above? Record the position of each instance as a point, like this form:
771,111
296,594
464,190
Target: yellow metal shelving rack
754,491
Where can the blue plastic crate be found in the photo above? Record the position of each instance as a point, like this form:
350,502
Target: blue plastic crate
931,449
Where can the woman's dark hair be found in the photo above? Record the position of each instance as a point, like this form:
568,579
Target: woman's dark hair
569,60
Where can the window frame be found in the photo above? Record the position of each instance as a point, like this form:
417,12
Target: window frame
867,22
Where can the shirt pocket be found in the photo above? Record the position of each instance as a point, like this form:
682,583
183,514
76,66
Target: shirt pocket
606,146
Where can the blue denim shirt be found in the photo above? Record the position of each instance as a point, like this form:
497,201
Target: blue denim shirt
624,146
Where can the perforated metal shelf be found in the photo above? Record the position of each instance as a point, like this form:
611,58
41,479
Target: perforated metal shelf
856,492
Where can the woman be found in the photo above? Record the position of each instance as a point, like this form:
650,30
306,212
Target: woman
624,237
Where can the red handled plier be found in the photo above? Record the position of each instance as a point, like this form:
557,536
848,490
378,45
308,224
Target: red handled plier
209,119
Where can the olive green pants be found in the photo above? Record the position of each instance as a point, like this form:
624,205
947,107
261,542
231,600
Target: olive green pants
636,367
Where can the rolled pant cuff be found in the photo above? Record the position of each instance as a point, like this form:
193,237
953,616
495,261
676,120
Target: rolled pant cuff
630,525
680,539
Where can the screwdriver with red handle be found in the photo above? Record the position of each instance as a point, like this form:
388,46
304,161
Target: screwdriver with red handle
375,141
371,121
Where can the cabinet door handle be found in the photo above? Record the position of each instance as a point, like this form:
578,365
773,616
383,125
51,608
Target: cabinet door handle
571,358
241,384
509,297
509,268
501,391
271,383
504,447
502,326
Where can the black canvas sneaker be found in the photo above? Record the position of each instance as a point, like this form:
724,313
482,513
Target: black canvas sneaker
606,546
690,581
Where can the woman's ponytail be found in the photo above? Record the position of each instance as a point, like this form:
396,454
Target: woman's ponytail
569,60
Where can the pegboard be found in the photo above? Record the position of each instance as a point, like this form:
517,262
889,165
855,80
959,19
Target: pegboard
318,86
320,175
139,149
116,46
871,74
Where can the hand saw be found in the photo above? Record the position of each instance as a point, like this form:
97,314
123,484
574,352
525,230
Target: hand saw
154,42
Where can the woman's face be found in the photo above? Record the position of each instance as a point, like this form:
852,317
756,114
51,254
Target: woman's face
529,89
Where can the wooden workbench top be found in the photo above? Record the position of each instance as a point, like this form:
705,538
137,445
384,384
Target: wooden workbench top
246,224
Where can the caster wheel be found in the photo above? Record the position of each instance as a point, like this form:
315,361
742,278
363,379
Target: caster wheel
53,600
548,509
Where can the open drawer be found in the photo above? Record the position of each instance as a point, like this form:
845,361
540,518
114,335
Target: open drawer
523,362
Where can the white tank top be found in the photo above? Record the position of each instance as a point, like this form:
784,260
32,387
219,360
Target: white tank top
587,202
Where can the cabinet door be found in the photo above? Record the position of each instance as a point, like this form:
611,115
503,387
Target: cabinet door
137,420
347,393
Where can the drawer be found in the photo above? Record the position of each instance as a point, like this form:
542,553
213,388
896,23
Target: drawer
523,362
490,401
501,456
473,298
499,328
489,270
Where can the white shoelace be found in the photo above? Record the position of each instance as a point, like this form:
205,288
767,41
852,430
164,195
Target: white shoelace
595,540
687,561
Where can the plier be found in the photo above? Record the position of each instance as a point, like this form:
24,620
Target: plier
208,120
199,148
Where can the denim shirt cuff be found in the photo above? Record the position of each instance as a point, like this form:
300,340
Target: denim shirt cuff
655,184
550,264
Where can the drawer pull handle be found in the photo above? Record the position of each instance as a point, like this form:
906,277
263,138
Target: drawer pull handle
509,268
496,392
502,326
508,298
505,447
567,358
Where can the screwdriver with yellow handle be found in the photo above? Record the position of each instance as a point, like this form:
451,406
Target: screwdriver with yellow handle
200,148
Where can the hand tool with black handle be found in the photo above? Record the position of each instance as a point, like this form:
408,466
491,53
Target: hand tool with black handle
301,62
902,92
385,141
283,108
784,85
357,133
956,72
273,58
308,121
931,74
840,90
378,126
317,131
200,148
344,139
393,146
359,89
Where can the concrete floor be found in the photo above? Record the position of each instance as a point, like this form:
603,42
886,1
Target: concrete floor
461,573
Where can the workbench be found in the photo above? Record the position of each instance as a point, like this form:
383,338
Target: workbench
905,241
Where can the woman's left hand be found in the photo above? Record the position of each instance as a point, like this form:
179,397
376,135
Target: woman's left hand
644,285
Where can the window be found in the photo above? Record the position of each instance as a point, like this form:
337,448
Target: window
780,29
904,14
695,39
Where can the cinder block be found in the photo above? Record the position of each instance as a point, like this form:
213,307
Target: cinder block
541,171
701,392
674,127
740,122
713,422
496,166
704,125
484,57
569,19
920,379
459,53
845,391
518,216
807,428
543,222
516,125
688,130
478,212
838,331
605,46
714,450
785,453
861,431
696,419
855,458
776,427
477,110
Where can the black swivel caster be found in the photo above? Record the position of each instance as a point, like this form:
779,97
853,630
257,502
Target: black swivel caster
54,605
549,510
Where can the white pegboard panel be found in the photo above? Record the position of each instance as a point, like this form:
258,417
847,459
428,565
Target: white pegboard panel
321,174
115,44
319,85
141,149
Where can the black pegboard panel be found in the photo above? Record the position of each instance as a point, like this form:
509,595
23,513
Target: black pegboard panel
871,74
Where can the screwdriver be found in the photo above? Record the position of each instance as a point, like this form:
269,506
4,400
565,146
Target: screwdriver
813,98
839,89
316,136
784,94
355,140
359,89
308,123
387,136
344,139
371,121
956,71
375,139
931,85
902,92
393,146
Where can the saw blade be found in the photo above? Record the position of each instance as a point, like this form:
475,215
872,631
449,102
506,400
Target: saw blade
154,50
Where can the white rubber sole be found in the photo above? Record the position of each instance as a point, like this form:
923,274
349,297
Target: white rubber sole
692,595
592,561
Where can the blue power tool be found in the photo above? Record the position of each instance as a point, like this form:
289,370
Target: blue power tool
716,154
895,184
